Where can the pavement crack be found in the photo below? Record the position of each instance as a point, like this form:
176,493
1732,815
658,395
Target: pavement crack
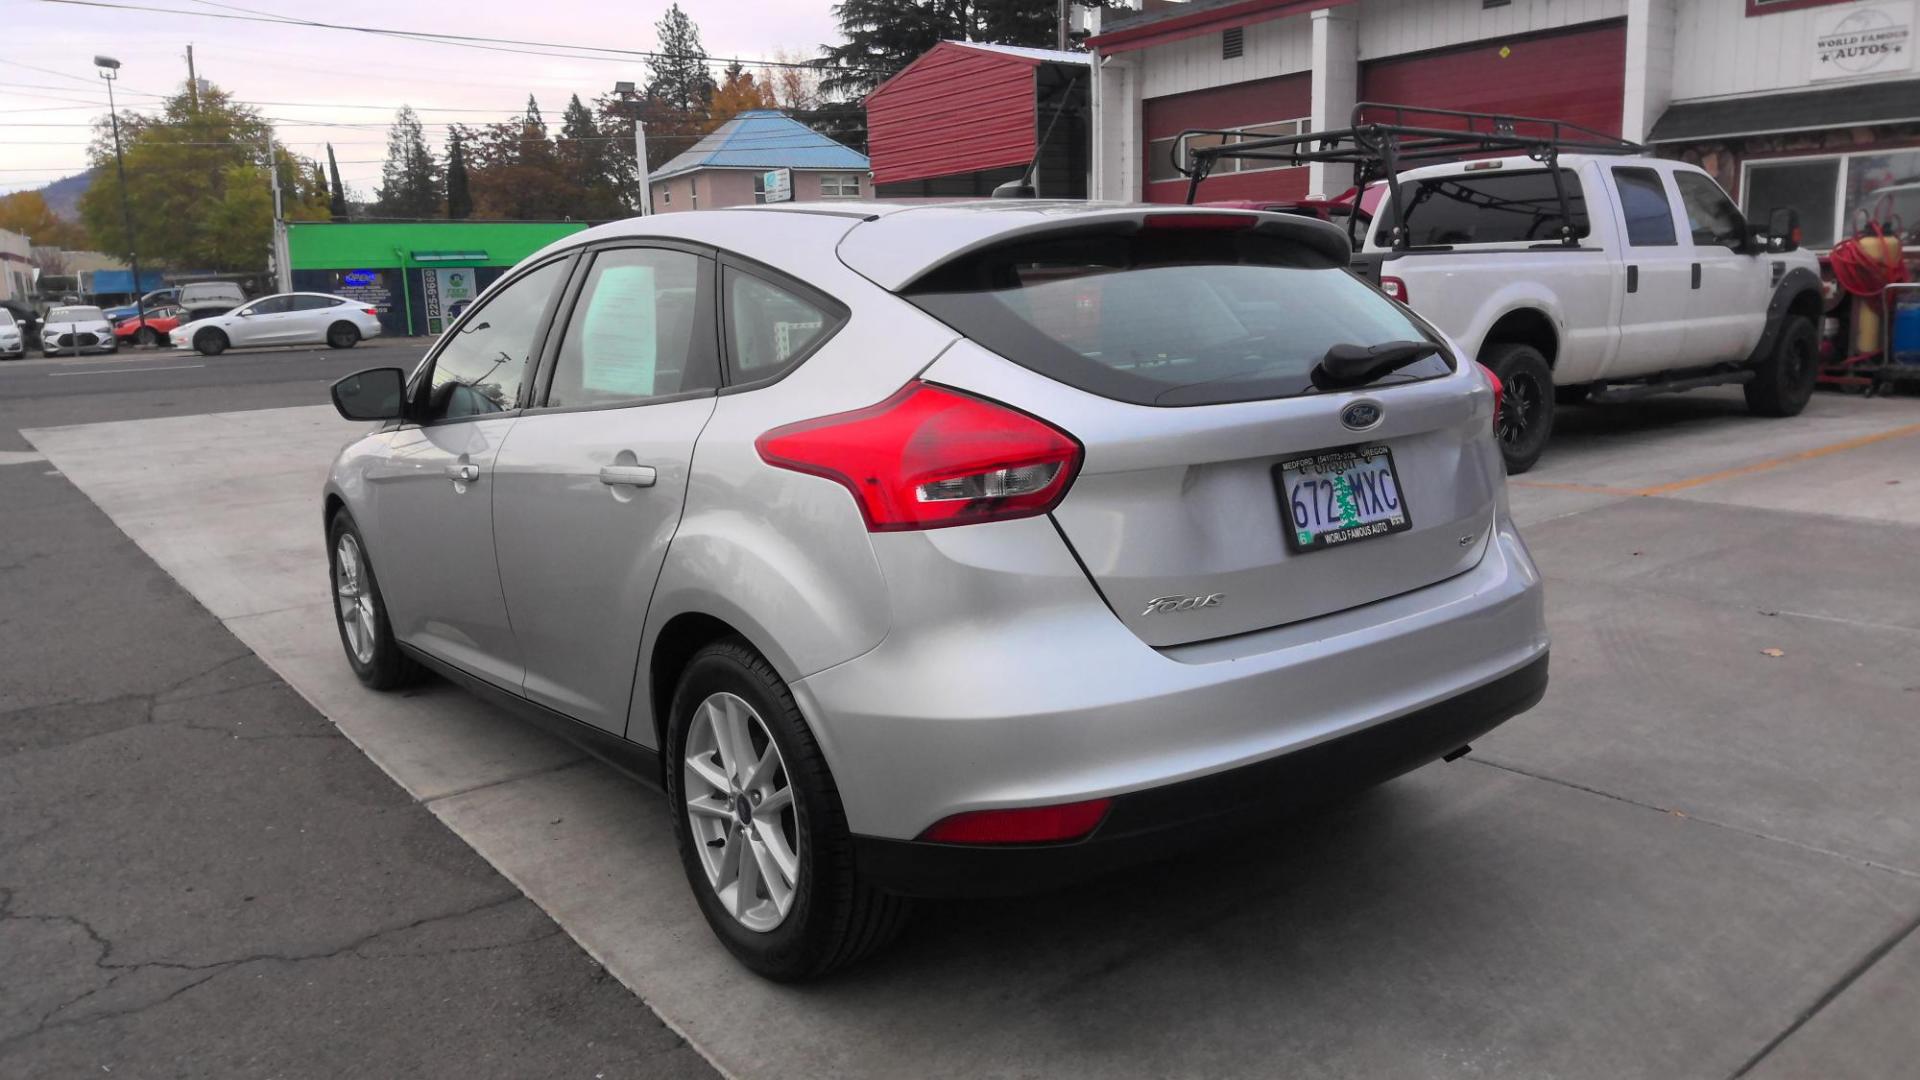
1690,816
1860,967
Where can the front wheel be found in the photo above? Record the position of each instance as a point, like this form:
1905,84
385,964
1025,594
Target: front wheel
762,835
360,612
1526,413
210,343
146,336
342,336
1784,381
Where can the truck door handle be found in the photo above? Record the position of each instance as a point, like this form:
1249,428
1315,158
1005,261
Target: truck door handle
1633,279
465,474
1696,275
627,475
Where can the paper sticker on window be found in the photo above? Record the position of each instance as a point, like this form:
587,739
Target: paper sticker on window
620,333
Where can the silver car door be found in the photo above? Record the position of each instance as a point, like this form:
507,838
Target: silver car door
432,488
591,482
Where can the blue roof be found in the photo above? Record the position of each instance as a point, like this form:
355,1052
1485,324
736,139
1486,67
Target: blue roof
763,139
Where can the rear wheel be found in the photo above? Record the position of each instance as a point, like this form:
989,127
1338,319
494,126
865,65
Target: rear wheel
210,342
343,335
1784,381
1526,413
146,336
762,835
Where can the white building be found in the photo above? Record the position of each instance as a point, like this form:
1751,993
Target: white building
16,266
1809,103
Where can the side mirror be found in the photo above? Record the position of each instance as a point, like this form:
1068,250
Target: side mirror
1783,229
373,394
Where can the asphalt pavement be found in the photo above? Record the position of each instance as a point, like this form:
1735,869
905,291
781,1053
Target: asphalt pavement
199,875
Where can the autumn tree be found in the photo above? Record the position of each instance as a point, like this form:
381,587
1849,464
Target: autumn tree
27,213
515,170
197,183
738,92
410,178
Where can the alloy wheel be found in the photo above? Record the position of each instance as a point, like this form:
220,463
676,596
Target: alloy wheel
1521,408
741,810
355,597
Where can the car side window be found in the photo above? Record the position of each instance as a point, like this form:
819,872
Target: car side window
311,303
480,369
1649,213
770,328
272,305
1710,214
642,329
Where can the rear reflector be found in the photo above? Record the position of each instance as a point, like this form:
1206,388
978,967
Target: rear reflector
1200,221
929,457
1025,825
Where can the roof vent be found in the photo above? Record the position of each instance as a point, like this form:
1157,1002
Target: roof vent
1232,40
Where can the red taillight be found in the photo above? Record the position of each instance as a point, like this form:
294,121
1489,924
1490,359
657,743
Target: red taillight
375,312
1395,288
929,457
1025,825
1200,221
1499,394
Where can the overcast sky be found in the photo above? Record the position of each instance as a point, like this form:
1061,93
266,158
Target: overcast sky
326,72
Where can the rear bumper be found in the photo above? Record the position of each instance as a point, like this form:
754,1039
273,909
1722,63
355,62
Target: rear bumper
1161,821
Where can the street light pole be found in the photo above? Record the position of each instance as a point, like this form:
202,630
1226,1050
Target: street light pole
628,96
110,70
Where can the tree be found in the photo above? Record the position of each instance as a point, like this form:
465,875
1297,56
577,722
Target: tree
795,88
459,198
27,213
515,172
589,165
884,36
337,195
678,75
410,180
197,183
738,93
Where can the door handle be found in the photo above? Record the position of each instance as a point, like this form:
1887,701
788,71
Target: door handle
1633,279
627,475
465,474
1696,275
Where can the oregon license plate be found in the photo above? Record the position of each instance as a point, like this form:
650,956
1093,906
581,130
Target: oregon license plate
1336,497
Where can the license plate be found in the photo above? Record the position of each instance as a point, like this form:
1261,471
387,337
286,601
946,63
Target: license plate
1336,497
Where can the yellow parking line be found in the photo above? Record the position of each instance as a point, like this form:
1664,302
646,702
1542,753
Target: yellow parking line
1774,463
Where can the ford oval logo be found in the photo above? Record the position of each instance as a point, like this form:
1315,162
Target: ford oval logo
1361,415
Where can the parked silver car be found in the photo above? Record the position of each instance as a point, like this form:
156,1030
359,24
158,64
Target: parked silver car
944,549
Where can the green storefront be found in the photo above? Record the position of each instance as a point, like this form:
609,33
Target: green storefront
418,275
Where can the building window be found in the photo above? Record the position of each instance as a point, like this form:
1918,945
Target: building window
840,185
1160,152
693,192
1232,42
760,187
1810,187
666,194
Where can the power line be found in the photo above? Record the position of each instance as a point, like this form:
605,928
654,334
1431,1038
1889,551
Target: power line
491,44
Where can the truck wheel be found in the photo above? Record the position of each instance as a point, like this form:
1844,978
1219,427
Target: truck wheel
1526,414
1784,381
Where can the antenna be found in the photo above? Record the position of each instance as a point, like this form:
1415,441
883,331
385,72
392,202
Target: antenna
1022,187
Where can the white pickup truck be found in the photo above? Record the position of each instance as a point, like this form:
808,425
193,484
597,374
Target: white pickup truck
1657,283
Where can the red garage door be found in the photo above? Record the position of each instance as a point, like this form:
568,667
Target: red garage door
1262,107
1577,75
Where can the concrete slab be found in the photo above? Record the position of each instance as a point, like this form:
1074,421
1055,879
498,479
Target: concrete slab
1868,1030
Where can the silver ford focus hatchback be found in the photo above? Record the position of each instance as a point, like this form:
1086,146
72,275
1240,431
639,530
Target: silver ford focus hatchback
936,550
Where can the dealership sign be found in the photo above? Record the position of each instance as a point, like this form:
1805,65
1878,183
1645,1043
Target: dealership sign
778,185
1868,39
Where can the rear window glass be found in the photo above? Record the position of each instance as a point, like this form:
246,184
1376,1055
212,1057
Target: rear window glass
1168,317
1485,208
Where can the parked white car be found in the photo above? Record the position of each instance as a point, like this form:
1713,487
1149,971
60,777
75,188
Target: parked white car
1657,284
13,343
285,319
77,330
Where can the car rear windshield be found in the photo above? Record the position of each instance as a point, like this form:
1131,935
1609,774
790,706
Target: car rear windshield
1485,208
1168,317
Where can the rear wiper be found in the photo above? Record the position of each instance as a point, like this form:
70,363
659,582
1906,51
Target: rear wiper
1346,366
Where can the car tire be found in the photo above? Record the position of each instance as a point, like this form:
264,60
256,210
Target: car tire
209,342
1783,383
360,612
342,335
146,336
832,918
1526,414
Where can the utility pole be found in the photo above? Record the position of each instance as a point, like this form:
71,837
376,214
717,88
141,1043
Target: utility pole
282,273
1060,37
193,83
110,70
630,98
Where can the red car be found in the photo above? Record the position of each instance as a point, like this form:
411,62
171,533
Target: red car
152,330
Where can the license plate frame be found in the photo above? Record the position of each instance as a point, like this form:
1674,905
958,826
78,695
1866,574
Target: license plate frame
1301,540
